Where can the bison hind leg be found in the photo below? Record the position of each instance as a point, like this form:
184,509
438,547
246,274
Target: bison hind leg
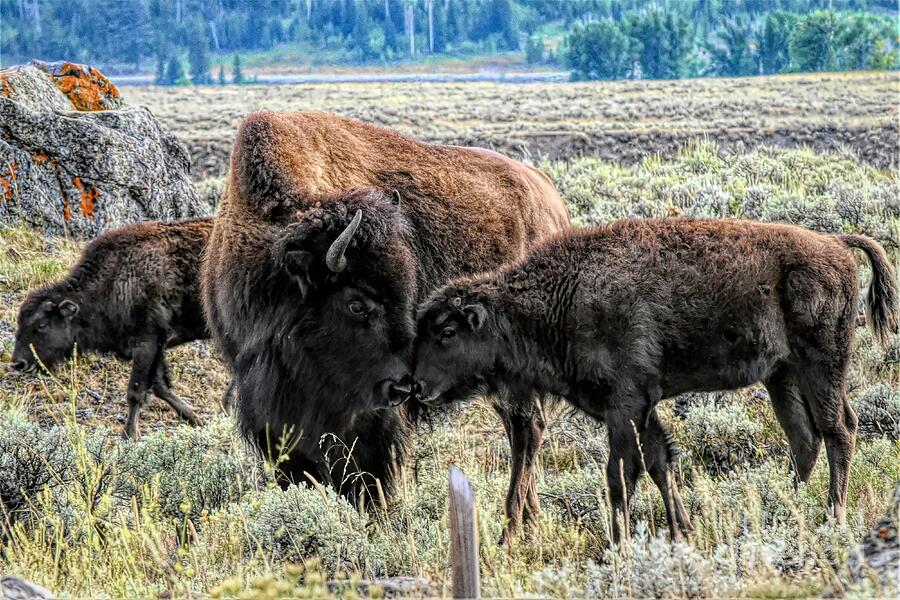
793,414
161,389
837,423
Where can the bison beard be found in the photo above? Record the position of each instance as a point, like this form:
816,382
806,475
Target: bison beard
316,338
618,318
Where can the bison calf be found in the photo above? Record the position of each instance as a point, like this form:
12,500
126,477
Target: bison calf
617,318
133,293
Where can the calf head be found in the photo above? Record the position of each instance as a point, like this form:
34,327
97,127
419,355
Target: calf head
455,348
354,280
47,324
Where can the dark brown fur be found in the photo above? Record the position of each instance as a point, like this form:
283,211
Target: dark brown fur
300,359
616,319
133,293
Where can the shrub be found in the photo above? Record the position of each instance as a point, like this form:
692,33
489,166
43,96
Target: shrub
198,469
647,567
210,192
878,409
31,459
832,193
722,438
297,524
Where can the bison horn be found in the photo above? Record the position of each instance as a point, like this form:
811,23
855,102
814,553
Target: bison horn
335,258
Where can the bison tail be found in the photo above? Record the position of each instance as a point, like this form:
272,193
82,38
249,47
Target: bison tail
883,298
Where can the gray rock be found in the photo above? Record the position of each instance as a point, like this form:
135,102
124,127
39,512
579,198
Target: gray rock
13,588
393,587
876,560
75,161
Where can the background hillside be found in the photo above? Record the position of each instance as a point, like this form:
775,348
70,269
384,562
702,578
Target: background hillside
197,40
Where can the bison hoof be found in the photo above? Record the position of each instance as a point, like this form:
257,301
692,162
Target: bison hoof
134,436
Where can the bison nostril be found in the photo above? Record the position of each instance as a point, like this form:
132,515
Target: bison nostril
18,365
401,391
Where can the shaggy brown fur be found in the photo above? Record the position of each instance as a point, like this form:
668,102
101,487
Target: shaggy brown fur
315,350
617,318
133,293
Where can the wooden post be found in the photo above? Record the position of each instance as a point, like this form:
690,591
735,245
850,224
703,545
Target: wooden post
463,537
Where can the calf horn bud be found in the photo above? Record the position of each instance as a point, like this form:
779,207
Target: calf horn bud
334,258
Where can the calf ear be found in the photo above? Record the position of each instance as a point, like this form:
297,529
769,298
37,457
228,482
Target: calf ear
297,264
475,314
68,308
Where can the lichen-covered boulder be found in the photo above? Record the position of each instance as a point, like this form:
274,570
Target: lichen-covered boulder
74,160
875,563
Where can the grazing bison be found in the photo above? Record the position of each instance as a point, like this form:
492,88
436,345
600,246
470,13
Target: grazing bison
330,231
134,292
615,319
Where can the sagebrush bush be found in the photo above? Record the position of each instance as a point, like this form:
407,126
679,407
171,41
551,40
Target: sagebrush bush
826,192
198,469
298,523
722,438
644,567
878,409
31,459
210,192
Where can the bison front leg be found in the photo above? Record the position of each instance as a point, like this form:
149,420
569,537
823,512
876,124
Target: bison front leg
658,449
625,419
523,419
144,356
162,384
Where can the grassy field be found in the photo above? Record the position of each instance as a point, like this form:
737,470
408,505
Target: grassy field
190,512
299,57
619,121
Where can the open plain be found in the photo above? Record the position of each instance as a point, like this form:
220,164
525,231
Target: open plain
190,512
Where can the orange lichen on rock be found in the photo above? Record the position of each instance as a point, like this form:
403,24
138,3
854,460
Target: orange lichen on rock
85,87
5,87
89,194
38,156
67,211
7,181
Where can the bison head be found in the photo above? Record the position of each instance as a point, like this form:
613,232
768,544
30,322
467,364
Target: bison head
47,325
455,348
350,279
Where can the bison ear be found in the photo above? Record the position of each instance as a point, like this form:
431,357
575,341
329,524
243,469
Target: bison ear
297,264
475,315
68,308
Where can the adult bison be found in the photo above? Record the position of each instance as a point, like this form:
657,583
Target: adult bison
617,318
133,293
330,231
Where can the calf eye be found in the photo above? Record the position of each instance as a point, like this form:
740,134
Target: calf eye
357,308
447,333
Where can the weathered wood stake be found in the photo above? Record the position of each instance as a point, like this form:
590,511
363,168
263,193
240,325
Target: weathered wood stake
463,537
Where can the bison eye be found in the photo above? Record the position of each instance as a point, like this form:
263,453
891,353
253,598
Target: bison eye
42,326
357,308
447,333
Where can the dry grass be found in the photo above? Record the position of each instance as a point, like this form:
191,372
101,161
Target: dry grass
188,512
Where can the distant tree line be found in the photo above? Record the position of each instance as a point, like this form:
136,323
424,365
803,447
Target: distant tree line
609,38
659,44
